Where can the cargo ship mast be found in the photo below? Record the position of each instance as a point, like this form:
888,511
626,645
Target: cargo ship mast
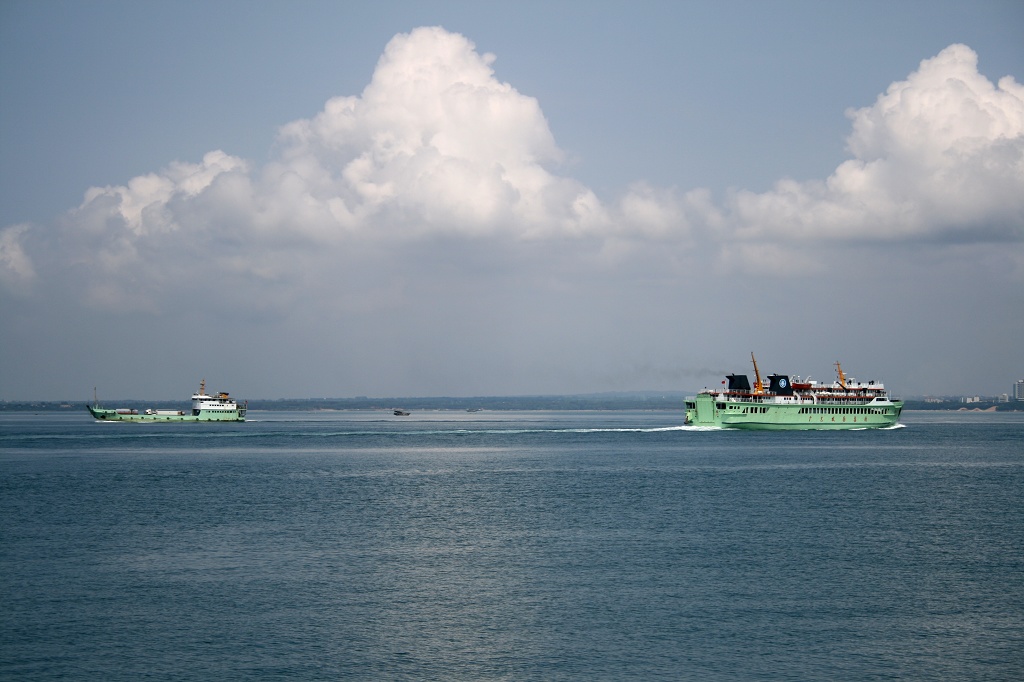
758,386
842,377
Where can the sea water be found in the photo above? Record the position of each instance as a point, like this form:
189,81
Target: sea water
510,546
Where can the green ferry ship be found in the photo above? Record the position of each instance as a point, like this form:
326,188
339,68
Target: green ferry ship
205,408
797,404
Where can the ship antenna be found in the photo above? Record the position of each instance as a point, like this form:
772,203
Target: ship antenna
842,377
758,386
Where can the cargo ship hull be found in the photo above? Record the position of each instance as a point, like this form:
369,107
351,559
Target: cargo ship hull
205,408
237,415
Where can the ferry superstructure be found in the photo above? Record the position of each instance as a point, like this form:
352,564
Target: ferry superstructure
205,408
798,404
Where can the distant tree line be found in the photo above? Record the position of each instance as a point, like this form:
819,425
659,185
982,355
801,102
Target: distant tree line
597,401
594,401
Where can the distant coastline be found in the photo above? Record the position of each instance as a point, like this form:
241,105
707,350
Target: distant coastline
639,400
666,400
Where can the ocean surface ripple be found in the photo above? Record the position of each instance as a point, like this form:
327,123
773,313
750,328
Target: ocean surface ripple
510,546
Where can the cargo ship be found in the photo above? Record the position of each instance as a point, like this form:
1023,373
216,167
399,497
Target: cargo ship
798,404
205,408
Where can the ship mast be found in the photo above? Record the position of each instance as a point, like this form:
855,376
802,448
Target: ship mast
842,377
758,386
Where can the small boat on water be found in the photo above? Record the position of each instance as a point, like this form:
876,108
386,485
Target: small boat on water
798,404
205,408
401,413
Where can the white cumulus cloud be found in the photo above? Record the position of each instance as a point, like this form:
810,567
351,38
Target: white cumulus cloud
434,143
938,156
17,271
436,147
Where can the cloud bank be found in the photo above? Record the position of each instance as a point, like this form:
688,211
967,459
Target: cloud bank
437,148
940,156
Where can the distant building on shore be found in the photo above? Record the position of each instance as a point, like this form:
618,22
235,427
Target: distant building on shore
1018,390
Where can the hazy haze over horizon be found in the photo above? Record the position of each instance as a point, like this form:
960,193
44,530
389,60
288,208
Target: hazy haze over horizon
455,199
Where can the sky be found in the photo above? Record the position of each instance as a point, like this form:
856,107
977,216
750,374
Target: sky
323,199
